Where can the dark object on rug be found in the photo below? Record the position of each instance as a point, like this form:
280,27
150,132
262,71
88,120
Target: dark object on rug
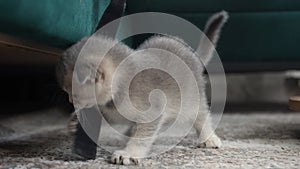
87,133
84,145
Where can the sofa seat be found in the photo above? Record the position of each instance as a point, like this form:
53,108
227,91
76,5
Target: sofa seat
257,31
57,23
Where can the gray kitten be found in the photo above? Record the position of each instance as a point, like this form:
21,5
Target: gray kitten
141,86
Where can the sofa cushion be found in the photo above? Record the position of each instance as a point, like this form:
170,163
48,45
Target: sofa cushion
191,6
57,23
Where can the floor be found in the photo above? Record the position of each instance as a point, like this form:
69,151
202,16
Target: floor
255,139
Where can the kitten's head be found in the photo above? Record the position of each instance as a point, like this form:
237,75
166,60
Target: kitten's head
88,84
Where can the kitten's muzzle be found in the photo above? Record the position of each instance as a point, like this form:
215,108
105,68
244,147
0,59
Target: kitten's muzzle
81,103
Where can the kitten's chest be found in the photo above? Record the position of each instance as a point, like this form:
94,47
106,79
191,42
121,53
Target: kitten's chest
112,116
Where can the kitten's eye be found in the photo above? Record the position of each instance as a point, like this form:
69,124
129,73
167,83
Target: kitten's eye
99,76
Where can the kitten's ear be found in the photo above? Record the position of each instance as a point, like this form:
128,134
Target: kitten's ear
212,31
99,76
84,74
88,75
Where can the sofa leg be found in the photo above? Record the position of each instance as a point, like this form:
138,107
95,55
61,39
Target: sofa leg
294,103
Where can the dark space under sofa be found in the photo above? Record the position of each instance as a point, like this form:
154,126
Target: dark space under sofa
259,36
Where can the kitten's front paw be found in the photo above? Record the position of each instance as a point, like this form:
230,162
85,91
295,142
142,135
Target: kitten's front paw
212,142
72,125
124,158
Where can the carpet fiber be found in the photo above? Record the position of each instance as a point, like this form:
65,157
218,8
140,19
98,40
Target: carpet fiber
260,139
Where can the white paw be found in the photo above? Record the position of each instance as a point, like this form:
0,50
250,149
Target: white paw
122,157
212,142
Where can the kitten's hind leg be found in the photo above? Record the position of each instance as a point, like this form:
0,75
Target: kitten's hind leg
206,135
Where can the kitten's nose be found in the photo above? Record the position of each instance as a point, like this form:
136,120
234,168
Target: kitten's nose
75,99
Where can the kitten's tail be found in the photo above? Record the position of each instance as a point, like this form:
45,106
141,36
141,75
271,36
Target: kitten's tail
212,31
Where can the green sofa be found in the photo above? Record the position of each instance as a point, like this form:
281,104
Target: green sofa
57,23
260,35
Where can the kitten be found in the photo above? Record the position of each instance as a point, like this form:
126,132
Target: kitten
141,86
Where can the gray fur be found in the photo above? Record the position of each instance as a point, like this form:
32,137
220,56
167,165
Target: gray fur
142,85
